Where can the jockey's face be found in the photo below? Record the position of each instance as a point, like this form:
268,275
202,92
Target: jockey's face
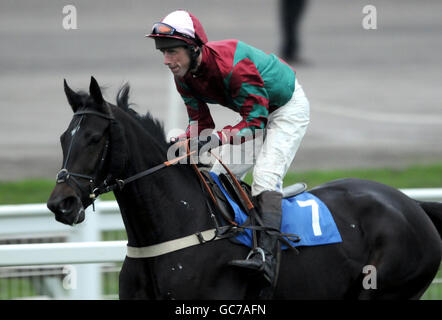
177,59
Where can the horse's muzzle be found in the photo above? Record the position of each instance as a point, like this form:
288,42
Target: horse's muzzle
66,206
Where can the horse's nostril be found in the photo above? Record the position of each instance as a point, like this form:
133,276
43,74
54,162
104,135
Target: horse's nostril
64,206
67,210
67,204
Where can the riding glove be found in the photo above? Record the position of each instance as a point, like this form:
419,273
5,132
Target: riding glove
207,142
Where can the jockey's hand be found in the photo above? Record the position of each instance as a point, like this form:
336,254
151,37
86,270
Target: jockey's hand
207,142
181,138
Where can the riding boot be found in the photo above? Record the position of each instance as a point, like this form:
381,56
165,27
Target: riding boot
270,205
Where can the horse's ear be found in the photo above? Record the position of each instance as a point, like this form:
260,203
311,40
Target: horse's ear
95,91
74,98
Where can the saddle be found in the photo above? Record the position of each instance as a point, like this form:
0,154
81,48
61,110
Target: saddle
221,203
231,188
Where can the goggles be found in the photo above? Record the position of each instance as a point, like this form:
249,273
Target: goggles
166,30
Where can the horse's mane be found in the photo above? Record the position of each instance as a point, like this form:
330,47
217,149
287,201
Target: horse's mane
154,126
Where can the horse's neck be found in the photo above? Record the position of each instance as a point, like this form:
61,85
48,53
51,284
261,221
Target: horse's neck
165,205
161,207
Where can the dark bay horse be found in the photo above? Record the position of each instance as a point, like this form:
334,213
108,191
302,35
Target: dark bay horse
383,229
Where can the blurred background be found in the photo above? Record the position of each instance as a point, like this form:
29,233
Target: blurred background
375,95
375,98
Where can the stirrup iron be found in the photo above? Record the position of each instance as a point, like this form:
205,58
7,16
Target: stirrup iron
255,251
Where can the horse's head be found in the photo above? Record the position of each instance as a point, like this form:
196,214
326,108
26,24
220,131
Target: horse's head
85,145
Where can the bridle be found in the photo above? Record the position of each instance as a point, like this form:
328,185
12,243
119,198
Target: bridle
65,176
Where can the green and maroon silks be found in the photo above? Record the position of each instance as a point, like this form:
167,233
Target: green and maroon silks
241,78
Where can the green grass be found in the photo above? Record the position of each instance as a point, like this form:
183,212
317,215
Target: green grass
429,176
434,292
30,191
419,176
26,191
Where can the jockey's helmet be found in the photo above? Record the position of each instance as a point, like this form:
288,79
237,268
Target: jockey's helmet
179,28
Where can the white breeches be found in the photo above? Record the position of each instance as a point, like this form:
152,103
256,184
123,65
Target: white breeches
271,154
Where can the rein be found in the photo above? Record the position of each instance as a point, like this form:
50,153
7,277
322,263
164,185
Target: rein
120,183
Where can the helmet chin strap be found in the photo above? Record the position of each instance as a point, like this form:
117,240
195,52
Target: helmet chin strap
193,57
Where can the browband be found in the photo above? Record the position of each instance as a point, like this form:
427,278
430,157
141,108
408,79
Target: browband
100,114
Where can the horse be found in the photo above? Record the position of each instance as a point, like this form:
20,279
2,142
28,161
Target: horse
399,238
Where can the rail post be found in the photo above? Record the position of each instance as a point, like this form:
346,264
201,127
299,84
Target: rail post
86,284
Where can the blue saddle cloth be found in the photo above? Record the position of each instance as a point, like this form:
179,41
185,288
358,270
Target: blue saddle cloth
304,215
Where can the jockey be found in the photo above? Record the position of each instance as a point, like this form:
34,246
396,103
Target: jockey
266,93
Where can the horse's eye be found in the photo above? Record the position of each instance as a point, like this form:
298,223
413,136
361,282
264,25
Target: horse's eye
95,139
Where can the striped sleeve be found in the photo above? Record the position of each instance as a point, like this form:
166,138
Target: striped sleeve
197,110
251,100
